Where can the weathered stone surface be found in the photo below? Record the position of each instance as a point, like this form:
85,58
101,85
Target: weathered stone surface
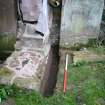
31,9
6,75
7,16
84,55
24,68
29,83
87,56
80,20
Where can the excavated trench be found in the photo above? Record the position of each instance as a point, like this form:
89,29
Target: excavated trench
50,76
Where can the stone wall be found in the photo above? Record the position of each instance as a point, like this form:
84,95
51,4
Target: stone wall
7,16
80,20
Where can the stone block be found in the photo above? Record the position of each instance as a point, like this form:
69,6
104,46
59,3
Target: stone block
80,20
8,17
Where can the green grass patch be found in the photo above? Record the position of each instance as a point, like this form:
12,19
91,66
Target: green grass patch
98,50
89,81
86,85
29,97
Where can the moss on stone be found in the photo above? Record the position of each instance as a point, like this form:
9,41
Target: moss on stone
29,83
7,43
5,72
92,42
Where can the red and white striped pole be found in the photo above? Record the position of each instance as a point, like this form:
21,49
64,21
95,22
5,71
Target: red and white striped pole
65,75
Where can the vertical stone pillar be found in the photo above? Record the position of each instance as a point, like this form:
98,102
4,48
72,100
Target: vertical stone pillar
7,17
80,20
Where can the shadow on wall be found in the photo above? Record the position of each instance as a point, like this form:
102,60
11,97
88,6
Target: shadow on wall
52,67
6,46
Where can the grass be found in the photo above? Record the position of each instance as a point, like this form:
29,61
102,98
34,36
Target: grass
86,82
100,50
26,97
89,82
92,44
86,85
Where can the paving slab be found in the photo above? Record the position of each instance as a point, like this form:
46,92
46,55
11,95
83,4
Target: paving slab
24,68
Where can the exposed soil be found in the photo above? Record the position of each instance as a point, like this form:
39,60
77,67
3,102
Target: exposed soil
8,102
50,76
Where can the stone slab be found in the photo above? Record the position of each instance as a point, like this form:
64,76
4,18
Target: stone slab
7,16
25,69
80,20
